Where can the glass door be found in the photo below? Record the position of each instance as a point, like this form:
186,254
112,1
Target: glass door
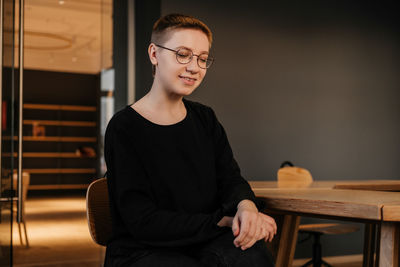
11,57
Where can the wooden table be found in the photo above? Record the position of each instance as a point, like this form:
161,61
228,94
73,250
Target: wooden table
320,199
377,185
372,185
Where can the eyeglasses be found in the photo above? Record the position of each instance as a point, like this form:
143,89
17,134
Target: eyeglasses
185,55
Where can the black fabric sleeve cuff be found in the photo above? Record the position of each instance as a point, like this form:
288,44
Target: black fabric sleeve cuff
229,209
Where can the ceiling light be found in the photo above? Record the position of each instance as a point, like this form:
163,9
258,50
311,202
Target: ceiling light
61,2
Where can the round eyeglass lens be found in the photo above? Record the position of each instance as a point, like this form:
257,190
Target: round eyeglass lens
184,55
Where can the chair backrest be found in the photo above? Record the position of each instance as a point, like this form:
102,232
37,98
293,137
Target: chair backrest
98,211
291,176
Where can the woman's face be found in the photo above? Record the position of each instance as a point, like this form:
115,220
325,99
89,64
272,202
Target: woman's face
172,76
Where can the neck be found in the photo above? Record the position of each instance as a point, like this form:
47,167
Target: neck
159,99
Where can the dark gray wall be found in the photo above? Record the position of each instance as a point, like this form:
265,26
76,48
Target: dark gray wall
146,13
120,52
313,82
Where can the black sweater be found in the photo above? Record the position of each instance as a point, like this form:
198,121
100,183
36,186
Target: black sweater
170,185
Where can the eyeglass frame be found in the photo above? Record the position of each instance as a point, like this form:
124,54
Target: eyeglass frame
191,57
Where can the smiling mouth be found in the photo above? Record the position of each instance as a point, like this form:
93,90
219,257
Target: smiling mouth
188,78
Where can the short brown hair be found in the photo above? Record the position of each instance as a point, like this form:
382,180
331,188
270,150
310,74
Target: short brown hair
165,24
163,27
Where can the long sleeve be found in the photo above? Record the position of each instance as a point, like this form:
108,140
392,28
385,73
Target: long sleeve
135,205
233,188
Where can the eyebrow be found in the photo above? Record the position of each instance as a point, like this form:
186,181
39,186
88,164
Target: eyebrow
201,52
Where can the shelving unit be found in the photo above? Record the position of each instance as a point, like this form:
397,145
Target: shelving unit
61,123
54,138
66,132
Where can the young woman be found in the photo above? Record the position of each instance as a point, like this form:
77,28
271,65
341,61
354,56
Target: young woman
176,192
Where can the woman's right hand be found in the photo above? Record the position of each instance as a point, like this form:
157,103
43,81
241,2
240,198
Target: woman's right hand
266,228
249,225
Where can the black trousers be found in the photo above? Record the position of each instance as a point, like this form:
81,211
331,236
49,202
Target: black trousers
219,252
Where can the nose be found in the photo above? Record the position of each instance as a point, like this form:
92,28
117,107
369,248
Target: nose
192,66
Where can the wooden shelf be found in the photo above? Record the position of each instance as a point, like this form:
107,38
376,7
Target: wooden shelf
48,155
53,155
57,186
61,123
68,128
54,138
59,107
60,139
60,170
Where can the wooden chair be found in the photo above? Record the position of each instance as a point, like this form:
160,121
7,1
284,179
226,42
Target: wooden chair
98,211
296,177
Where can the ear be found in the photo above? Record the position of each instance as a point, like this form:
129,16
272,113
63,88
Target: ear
152,54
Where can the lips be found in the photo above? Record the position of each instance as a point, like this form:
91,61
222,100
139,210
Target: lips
188,80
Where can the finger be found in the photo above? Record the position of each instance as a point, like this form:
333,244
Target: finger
235,226
263,230
274,226
250,242
271,227
255,232
259,230
254,224
248,245
270,220
266,239
244,230
264,233
270,232
271,237
251,239
246,221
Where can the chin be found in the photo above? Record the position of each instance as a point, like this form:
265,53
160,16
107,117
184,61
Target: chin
185,91
183,94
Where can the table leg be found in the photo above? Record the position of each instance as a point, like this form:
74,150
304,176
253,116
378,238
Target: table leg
288,239
369,244
378,244
389,244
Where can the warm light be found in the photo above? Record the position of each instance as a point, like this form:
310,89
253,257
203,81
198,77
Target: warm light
61,2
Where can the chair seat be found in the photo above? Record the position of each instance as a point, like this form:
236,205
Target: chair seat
328,228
